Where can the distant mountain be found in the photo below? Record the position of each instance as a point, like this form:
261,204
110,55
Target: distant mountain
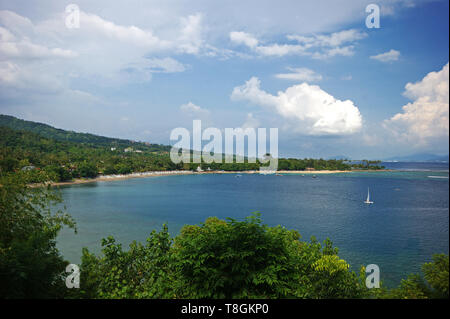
50,132
419,157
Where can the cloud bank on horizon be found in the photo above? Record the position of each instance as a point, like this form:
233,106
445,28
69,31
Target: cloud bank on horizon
146,63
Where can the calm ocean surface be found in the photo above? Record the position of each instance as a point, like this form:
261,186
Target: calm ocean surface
408,222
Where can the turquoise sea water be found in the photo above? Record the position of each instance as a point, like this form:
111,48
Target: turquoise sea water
408,222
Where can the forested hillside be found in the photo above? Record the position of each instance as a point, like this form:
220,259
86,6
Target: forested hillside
50,132
64,160
43,152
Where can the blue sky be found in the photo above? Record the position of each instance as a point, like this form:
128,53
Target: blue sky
138,69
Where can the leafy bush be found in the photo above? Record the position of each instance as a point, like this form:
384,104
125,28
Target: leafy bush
144,271
436,274
219,259
30,264
434,284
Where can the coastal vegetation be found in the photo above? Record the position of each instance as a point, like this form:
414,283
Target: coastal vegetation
30,264
215,259
41,151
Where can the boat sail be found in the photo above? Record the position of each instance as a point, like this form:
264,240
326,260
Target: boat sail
367,201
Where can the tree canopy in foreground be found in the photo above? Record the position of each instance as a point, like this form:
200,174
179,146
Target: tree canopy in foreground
239,259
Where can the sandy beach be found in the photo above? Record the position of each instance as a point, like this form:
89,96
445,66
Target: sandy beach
115,177
105,178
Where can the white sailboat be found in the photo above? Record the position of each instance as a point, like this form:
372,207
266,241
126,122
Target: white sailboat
367,201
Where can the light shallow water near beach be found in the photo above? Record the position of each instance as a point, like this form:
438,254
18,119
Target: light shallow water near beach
408,222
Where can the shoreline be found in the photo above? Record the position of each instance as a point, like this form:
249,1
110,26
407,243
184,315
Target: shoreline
117,177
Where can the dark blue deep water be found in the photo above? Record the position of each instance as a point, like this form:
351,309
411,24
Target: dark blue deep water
407,224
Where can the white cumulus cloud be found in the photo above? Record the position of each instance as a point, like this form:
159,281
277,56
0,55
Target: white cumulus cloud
334,39
243,38
251,122
300,74
193,109
321,46
427,117
307,107
12,47
389,56
130,34
191,40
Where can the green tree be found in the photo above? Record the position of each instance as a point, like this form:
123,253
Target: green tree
434,284
436,274
143,271
219,259
58,173
30,264
87,169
